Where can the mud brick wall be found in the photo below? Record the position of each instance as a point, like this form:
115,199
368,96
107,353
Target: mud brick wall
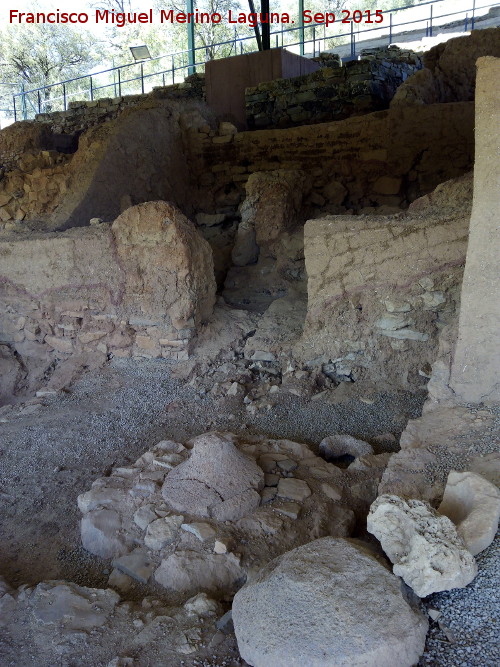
138,288
330,93
384,158
381,290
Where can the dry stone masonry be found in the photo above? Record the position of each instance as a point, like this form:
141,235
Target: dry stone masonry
330,93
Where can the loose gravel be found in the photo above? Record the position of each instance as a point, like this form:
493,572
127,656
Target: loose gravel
52,451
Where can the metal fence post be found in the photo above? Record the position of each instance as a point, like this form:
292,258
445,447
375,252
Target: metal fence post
39,103
473,19
142,78
190,31
91,89
352,39
430,22
390,28
64,95
119,82
15,110
301,26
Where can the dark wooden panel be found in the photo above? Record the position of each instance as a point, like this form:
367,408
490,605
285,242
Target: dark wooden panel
227,78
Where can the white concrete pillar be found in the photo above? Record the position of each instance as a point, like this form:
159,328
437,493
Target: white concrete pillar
475,372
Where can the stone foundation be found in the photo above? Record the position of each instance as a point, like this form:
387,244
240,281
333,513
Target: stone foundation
330,93
140,287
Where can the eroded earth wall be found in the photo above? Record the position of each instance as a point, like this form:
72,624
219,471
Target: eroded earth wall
380,289
137,155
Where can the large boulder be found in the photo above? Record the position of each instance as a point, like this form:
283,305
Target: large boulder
217,481
167,264
329,603
424,546
473,504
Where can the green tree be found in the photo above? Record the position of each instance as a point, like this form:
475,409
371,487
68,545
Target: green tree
37,55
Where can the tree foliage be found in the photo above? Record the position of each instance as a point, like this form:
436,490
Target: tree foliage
41,54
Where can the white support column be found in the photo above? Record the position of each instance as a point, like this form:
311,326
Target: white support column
475,373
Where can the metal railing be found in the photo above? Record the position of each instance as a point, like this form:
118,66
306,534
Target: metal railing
169,69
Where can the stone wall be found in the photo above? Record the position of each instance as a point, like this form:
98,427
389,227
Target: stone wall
386,158
380,289
82,115
330,93
139,287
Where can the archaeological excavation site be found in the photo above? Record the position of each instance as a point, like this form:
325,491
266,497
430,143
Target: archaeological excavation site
250,367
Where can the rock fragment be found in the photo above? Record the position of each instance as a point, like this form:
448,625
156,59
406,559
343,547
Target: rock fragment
473,504
75,607
423,545
162,532
293,489
100,533
338,445
136,565
188,572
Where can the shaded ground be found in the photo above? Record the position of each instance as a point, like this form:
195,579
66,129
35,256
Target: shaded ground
52,451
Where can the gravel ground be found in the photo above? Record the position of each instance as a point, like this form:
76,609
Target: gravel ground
467,631
52,451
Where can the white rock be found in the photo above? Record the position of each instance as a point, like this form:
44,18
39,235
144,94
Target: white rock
328,603
203,531
201,605
423,545
100,532
161,532
473,504
341,444
221,547
188,572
